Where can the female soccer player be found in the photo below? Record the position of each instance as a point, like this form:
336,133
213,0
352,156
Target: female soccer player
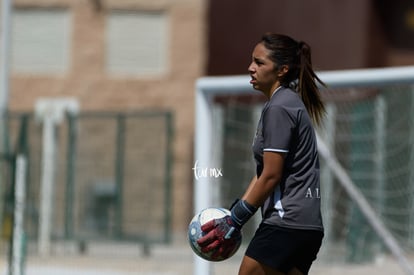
286,185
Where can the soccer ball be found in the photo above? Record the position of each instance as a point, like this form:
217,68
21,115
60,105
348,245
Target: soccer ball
195,233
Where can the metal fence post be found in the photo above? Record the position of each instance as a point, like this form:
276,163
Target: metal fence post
168,177
70,174
119,174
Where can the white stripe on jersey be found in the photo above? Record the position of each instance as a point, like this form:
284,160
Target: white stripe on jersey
275,150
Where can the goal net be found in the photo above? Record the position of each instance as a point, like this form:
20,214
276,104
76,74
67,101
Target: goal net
366,146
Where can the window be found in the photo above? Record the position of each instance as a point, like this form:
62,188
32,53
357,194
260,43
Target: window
40,41
136,43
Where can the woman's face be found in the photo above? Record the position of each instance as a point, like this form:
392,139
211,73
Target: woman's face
262,70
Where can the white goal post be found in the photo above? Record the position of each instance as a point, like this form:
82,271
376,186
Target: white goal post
16,265
207,88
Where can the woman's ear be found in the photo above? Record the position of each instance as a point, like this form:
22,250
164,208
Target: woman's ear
283,70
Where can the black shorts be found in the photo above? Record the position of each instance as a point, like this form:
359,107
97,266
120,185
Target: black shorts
284,249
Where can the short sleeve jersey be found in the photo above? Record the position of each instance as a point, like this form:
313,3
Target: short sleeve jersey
286,127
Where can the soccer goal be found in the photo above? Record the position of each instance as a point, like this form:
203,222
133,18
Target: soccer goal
366,147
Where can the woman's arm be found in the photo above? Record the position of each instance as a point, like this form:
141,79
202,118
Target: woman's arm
251,184
221,232
260,188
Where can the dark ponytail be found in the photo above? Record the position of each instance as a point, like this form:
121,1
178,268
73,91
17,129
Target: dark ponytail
307,86
297,56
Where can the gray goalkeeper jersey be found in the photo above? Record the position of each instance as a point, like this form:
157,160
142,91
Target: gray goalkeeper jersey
286,127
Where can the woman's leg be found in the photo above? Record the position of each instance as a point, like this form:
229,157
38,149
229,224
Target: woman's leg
250,266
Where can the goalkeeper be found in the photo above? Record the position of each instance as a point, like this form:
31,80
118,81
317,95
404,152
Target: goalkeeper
286,185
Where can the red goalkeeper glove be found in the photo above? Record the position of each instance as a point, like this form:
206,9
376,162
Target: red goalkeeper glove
222,234
222,237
